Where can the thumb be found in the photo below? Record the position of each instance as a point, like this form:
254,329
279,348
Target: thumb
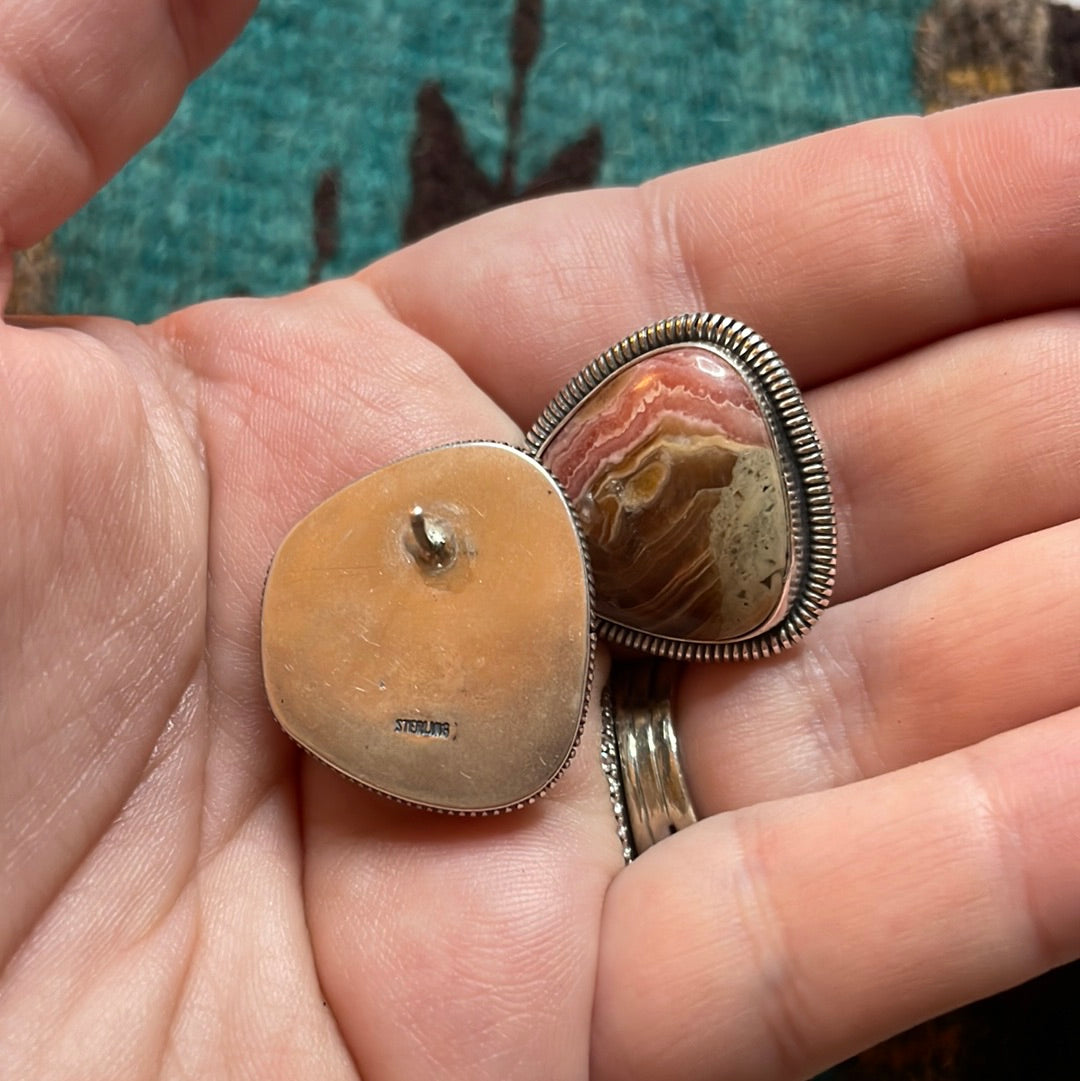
83,85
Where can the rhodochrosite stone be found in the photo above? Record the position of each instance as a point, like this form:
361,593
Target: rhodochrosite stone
678,484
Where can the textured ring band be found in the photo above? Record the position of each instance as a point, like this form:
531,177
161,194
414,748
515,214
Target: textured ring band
655,793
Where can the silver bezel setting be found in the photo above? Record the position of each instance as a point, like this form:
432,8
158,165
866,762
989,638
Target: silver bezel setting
806,480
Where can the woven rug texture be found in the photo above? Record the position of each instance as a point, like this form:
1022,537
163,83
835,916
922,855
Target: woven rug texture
371,121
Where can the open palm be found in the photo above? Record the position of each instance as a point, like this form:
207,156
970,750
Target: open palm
894,804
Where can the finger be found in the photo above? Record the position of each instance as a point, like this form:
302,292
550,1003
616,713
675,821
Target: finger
461,949
928,666
83,86
841,249
953,449
774,941
964,446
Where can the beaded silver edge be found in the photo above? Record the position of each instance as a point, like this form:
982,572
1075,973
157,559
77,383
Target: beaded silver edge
609,762
813,519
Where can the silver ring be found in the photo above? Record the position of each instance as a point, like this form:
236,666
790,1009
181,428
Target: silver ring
654,799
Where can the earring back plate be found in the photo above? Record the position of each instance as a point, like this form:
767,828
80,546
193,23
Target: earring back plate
428,630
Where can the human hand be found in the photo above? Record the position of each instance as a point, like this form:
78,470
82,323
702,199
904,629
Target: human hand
894,803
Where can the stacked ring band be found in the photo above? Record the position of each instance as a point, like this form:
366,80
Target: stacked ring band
655,792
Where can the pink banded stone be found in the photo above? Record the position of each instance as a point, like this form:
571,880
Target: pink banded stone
677,480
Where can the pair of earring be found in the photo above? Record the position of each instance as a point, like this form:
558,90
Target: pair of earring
430,630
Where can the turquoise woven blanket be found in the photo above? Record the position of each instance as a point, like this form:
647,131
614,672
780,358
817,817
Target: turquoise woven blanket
334,130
